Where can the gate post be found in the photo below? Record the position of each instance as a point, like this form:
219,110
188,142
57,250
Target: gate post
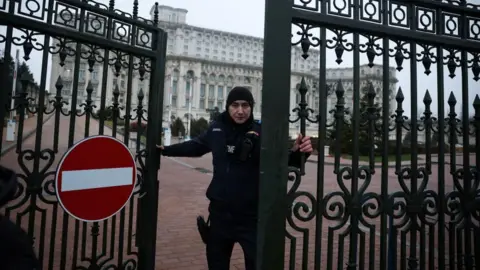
150,185
275,113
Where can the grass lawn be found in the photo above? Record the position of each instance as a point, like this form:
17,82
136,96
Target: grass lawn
379,158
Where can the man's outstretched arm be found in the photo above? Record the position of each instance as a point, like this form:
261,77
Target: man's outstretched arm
196,147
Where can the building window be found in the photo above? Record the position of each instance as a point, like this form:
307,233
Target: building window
202,90
187,93
81,74
174,87
220,92
211,91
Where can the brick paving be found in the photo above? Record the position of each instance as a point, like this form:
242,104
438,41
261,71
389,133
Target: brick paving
370,241
182,198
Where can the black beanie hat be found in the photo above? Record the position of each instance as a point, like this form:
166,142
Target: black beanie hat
240,93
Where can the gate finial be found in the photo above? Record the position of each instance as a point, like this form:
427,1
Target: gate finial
59,83
427,99
155,14
476,106
399,97
135,9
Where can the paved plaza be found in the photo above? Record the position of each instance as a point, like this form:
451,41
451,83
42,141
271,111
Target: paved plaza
183,182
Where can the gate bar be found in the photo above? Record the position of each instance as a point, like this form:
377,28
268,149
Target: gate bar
76,36
444,7
150,185
367,28
392,247
111,15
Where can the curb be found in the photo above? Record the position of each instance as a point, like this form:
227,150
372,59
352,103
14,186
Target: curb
26,136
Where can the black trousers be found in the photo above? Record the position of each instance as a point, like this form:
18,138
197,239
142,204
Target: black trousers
225,231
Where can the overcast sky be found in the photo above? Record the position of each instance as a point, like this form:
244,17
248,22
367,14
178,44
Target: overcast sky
247,17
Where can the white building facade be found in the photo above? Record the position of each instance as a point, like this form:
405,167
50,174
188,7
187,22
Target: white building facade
204,64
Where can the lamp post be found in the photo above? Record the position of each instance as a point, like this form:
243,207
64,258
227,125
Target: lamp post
189,77
189,120
47,100
170,77
11,125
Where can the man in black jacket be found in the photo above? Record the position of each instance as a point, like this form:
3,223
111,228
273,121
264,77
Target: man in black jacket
16,250
234,140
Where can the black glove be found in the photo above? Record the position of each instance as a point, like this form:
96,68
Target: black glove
248,144
203,228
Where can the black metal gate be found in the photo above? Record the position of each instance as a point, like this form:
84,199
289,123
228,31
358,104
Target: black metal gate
421,212
106,72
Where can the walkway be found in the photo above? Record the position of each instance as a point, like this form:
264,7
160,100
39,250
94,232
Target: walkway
29,127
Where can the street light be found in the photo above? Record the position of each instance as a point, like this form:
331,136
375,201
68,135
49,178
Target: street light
169,106
189,77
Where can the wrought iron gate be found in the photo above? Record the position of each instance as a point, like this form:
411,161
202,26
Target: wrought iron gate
106,72
423,213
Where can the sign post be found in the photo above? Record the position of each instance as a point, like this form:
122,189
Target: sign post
95,178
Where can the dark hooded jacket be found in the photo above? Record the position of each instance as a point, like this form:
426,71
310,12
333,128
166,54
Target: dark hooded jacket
16,247
236,163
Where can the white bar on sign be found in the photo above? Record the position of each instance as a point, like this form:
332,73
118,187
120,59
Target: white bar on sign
97,178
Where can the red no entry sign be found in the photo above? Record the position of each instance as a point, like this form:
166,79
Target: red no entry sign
95,178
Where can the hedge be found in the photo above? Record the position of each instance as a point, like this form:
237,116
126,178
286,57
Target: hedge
364,150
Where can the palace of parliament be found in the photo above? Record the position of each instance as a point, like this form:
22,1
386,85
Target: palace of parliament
204,64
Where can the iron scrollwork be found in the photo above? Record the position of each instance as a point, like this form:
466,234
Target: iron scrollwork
84,68
404,197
